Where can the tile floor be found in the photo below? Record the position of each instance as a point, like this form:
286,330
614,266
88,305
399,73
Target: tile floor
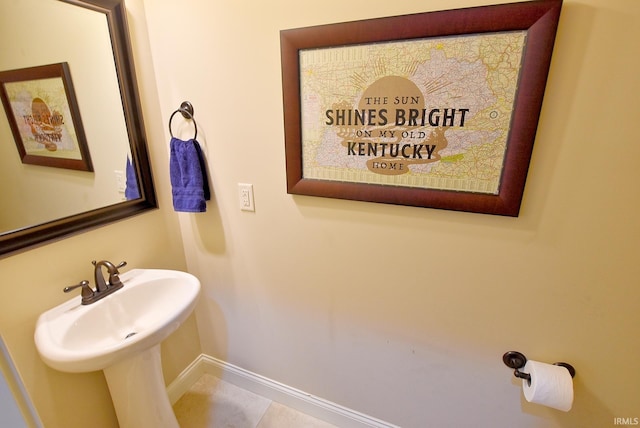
214,403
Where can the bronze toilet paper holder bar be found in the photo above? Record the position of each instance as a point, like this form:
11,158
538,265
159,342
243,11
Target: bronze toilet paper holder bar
517,360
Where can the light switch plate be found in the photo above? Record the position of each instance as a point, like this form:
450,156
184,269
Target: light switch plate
245,193
121,181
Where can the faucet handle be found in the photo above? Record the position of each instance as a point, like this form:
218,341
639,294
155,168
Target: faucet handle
114,274
86,293
114,277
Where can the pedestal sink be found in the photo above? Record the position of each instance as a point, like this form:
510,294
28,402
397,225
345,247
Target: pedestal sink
121,335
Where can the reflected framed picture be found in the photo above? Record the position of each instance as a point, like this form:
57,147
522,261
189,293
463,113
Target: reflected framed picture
436,109
44,117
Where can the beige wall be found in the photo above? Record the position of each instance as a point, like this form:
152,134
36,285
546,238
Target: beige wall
318,294
306,292
33,280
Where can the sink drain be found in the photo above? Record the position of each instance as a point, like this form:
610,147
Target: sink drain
130,334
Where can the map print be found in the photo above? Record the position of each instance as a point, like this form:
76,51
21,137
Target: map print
43,117
431,113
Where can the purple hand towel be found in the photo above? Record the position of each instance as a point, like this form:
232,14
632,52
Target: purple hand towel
131,190
188,173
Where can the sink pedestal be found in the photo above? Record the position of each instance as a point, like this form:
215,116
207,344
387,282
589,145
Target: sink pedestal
138,391
121,335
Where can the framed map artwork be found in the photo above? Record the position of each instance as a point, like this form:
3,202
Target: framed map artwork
44,117
436,109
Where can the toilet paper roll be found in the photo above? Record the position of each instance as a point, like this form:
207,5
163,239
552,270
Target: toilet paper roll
550,386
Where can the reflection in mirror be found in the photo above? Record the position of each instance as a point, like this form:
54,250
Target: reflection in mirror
42,202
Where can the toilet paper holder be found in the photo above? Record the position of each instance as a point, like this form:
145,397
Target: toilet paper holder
517,360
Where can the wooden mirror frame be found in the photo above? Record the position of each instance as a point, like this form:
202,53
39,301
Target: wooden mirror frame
20,239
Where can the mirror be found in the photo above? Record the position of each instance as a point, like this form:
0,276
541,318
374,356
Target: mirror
41,202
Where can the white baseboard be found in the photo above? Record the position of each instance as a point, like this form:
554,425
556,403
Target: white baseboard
314,406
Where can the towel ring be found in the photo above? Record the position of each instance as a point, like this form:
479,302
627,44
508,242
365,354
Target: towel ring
186,110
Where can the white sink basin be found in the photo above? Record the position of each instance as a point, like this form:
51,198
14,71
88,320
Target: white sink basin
152,304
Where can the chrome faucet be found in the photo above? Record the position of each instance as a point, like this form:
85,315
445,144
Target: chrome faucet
103,287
